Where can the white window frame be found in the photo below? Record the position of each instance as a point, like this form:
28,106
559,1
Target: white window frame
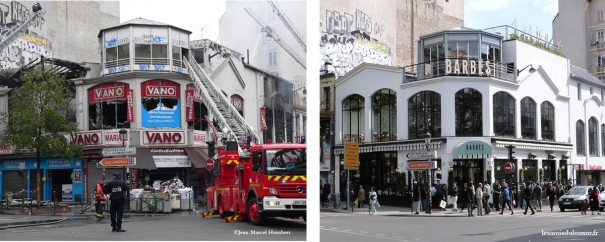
600,17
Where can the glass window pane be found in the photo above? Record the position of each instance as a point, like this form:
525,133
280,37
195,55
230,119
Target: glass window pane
142,51
111,54
123,51
159,51
176,53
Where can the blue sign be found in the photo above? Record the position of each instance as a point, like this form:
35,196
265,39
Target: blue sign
162,116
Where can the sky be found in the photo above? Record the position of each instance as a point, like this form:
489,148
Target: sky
192,15
534,14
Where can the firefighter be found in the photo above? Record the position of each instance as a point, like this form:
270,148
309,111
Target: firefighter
117,188
100,199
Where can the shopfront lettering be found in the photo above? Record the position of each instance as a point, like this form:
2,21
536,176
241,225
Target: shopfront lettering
160,91
475,147
109,92
164,137
85,138
468,67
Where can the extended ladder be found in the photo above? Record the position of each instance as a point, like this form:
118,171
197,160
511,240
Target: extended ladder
231,122
11,35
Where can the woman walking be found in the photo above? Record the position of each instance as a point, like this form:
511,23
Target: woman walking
454,196
594,200
551,193
373,201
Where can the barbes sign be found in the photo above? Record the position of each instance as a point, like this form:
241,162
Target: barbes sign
468,67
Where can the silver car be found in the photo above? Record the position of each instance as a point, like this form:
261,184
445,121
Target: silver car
574,198
602,201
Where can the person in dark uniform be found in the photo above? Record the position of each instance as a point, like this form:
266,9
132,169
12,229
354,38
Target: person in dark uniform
117,188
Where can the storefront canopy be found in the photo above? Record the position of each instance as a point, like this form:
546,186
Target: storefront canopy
197,156
144,159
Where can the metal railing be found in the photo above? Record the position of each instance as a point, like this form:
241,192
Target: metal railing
466,67
509,32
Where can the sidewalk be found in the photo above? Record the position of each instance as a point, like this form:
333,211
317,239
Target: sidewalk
396,211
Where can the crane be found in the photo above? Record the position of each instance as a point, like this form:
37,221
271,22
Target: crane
275,37
11,35
288,24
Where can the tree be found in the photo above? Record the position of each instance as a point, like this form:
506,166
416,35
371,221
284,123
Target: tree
37,119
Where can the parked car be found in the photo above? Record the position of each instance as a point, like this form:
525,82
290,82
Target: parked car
574,198
602,201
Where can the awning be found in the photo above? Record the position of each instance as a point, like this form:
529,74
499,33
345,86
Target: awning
197,156
378,147
535,146
144,159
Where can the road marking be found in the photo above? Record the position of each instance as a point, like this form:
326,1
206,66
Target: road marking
368,235
363,232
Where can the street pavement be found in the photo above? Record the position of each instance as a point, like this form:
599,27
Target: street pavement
180,226
399,224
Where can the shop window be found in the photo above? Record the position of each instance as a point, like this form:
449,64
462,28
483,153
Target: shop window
528,118
504,114
547,111
384,116
108,106
593,124
469,121
160,104
353,118
424,114
580,138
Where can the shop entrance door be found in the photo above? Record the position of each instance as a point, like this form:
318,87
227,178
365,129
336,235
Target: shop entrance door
465,170
60,177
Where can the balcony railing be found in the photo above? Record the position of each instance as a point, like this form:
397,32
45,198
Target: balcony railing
508,32
459,67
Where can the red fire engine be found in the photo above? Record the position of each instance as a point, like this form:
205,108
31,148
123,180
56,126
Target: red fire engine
270,182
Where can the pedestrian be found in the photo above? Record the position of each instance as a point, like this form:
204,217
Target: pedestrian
585,206
100,199
496,195
325,192
487,191
506,198
471,198
527,195
454,196
117,190
423,198
463,195
415,198
479,199
373,201
538,196
594,200
361,197
551,193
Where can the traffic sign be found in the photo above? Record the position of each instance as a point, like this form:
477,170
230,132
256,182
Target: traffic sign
421,155
422,165
118,151
351,156
508,167
121,161
209,164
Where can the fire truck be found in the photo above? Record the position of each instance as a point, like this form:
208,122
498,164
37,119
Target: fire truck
270,182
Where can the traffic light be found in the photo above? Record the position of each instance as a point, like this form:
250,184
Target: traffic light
510,152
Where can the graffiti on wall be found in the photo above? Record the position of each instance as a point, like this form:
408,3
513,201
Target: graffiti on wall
347,42
341,53
29,46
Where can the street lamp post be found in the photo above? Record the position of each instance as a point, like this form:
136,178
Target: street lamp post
427,141
123,136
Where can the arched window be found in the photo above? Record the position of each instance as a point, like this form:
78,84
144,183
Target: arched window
593,124
384,116
353,118
469,120
528,118
424,113
602,139
580,138
547,111
504,114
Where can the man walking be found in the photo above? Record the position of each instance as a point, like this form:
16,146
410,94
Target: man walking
100,199
506,198
470,192
496,193
361,197
486,194
538,196
117,188
527,194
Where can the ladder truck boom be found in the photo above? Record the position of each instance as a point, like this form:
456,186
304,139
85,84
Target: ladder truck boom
11,35
277,39
230,120
288,23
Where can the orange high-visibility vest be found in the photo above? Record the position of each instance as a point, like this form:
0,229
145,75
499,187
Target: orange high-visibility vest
99,196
